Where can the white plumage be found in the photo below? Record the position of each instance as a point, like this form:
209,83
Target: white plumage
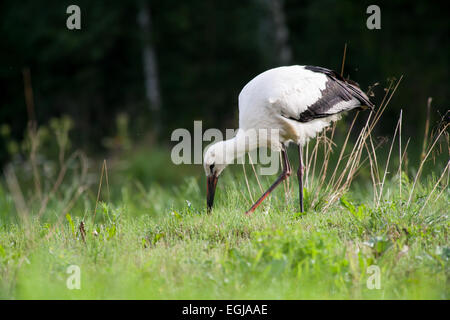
273,97
298,101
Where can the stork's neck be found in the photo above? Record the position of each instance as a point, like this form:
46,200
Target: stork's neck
237,146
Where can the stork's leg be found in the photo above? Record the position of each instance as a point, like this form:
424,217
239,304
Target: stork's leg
284,174
300,177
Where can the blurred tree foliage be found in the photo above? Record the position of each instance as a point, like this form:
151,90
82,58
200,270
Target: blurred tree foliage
206,52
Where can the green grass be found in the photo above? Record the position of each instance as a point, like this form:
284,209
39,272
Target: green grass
149,236
150,246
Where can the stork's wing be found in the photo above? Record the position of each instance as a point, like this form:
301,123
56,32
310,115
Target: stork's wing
338,96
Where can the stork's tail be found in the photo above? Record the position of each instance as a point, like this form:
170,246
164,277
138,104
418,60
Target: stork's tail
360,95
350,86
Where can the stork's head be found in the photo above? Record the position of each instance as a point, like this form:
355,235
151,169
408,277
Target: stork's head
214,162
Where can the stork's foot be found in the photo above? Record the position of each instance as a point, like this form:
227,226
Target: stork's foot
300,172
284,175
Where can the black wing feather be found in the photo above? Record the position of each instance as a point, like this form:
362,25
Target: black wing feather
337,90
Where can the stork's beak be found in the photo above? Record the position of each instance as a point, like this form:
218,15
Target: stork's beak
211,183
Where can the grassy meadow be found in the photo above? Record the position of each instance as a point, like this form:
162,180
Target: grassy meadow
136,225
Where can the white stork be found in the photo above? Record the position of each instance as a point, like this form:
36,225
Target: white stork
299,101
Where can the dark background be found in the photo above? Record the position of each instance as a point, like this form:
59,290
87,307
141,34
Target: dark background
205,52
